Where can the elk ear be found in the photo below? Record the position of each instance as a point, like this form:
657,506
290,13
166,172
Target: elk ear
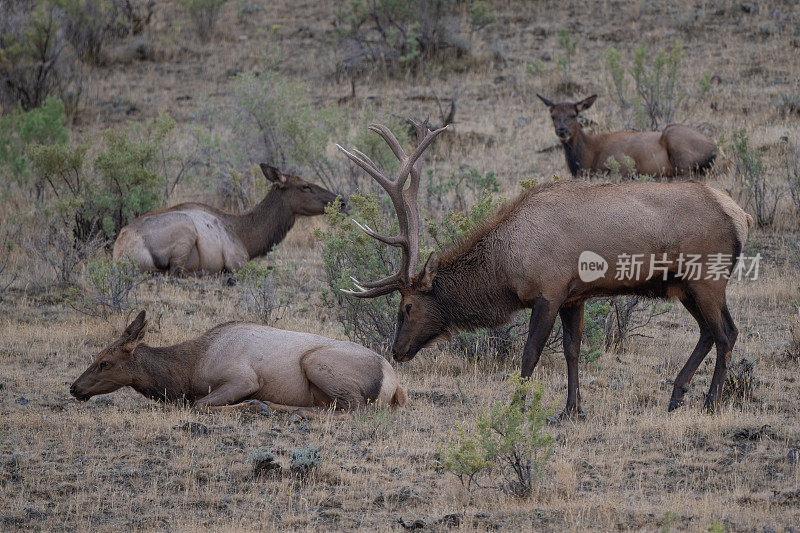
134,333
585,104
547,102
273,174
429,271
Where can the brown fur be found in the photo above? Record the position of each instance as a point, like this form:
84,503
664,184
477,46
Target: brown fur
527,257
198,238
676,151
237,362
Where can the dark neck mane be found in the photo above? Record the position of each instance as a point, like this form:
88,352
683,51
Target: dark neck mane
575,152
164,373
265,225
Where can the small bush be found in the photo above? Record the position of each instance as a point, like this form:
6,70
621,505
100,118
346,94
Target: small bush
304,461
35,59
740,382
259,297
398,33
626,316
87,25
9,233
204,14
125,178
55,250
348,251
792,169
372,421
19,130
568,44
751,187
110,288
508,442
656,94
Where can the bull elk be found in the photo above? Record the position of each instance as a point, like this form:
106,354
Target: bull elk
198,238
528,255
676,151
237,363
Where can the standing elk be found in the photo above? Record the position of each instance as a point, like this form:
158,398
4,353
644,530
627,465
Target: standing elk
238,364
528,256
676,151
198,238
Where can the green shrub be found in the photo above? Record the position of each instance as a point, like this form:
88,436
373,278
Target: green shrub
87,25
402,32
656,94
751,187
258,293
110,288
508,442
35,61
21,129
124,180
481,14
348,251
568,44
204,14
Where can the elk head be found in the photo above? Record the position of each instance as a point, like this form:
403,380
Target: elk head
112,369
565,116
303,198
420,318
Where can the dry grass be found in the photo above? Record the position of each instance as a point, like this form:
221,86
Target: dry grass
122,462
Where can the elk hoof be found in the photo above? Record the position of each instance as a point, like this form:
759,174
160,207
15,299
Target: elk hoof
674,404
711,405
569,414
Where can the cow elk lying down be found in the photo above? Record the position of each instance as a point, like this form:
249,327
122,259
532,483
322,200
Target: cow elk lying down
200,239
529,256
676,151
236,363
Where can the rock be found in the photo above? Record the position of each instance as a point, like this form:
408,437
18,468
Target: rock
416,524
304,461
546,56
230,282
193,428
793,456
22,400
519,122
265,464
451,520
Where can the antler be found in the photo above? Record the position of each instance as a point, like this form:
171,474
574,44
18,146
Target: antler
404,202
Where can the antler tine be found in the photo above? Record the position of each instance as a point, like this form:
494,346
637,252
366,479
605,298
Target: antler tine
387,135
405,205
369,167
391,241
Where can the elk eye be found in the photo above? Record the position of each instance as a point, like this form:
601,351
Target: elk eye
306,187
104,365
408,308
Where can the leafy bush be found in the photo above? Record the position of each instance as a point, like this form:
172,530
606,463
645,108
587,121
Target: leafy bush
656,94
348,251
125,179
9,233
35,61
204,14
87,25
507,441
372,421
258,294
21,129
110,288
740,381
792,168
751,187
402,32
55,250
568,44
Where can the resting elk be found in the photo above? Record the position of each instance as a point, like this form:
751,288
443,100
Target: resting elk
527,256
200,239
241,365
676,151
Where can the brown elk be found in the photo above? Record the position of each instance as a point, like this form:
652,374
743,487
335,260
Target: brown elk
238,364
676,151
198,238
528,255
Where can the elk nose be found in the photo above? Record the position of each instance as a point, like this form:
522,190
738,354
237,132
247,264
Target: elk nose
72,390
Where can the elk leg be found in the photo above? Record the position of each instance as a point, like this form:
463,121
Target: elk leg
227,394
264,407
543,317
572,324
725,338
180,256
700,352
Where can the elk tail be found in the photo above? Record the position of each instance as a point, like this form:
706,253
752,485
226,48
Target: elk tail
399,398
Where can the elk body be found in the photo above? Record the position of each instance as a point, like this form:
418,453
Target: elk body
676,151
239,361
528,256
197,238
